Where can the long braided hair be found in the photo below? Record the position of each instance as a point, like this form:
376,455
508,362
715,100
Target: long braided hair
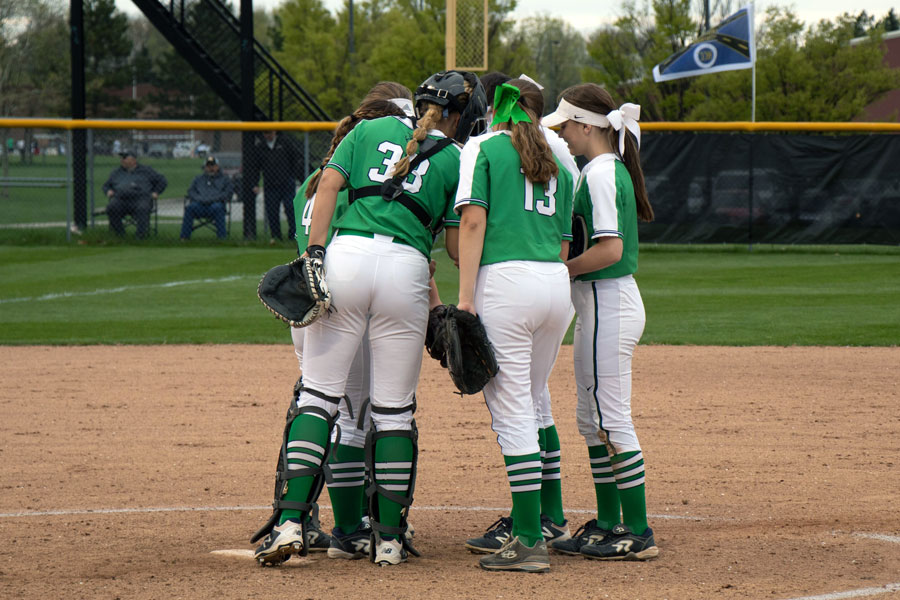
377,103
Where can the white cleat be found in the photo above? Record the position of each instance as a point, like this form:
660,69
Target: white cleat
389,552
283,541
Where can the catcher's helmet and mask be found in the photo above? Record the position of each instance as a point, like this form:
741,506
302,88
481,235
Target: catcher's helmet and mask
443,88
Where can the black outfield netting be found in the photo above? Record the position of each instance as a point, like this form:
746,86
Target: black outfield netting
772,188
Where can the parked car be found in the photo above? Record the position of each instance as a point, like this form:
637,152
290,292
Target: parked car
158,150
182,150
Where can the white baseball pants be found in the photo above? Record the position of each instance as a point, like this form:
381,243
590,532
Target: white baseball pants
526,308
382,284
609,324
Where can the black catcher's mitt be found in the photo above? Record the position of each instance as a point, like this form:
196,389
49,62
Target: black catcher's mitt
434,335
469,354
580,237
296,292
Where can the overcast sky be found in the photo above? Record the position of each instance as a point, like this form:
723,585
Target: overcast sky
587,15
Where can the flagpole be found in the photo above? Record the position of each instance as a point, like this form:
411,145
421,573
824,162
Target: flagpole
753,96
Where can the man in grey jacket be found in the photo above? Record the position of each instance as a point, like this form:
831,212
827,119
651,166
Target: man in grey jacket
132,189
207,197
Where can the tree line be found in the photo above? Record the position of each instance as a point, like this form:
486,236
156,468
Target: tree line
804,71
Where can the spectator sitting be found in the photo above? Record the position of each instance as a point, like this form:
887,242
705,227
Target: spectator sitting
132,189
206,198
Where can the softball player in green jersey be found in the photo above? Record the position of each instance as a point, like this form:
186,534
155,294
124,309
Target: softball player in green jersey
515,205
346,462
554,525
610,198
377,269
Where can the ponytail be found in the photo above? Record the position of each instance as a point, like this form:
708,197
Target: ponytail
377,103
632,161
428,122
595,98
344,127
534,151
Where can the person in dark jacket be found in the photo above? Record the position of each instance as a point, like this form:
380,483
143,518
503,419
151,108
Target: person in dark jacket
132,189
207,197
277,157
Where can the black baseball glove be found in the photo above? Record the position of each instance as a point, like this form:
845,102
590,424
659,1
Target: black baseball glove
580,237
468,352
296,292
434,336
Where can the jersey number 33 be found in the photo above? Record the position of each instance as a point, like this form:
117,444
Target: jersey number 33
392,155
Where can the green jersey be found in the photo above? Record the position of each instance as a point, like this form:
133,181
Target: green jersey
525,220
605,199
303,209
366,157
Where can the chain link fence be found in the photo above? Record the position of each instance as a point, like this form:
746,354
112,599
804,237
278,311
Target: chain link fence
738,188
142,183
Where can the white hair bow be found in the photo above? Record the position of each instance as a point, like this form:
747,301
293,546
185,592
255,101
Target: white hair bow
626,118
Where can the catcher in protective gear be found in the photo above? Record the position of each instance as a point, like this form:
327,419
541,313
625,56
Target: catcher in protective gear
296,292
458,340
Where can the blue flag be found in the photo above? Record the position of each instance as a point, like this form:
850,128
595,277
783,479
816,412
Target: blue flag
728,46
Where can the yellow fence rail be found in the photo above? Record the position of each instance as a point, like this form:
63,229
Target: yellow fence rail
723,126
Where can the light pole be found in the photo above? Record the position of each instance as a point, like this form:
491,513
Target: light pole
350,45
552,83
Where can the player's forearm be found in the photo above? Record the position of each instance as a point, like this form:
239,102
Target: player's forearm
323,209
471,245
451,241
607,251
434,297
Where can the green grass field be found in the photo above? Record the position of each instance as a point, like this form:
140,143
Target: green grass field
718,296
40,205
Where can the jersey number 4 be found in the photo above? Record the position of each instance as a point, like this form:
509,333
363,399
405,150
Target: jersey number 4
540,197
393,153
306,219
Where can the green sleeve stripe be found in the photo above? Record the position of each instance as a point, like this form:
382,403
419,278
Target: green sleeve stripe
475,201
339,169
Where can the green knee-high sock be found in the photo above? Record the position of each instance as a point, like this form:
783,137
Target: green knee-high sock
524,475
629,471
305,430
393,467
347,491
551,485
604,487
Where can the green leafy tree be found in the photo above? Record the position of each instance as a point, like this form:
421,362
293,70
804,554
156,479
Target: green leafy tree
396,40
890,22
623,56
557,52
34,59
180,92
803,74
107,53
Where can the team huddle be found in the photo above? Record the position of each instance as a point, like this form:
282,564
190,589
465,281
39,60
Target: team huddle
536,241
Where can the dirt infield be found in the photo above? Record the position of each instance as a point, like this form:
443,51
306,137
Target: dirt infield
771,473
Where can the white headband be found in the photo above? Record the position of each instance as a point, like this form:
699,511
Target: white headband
623,118
527,78
405,104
